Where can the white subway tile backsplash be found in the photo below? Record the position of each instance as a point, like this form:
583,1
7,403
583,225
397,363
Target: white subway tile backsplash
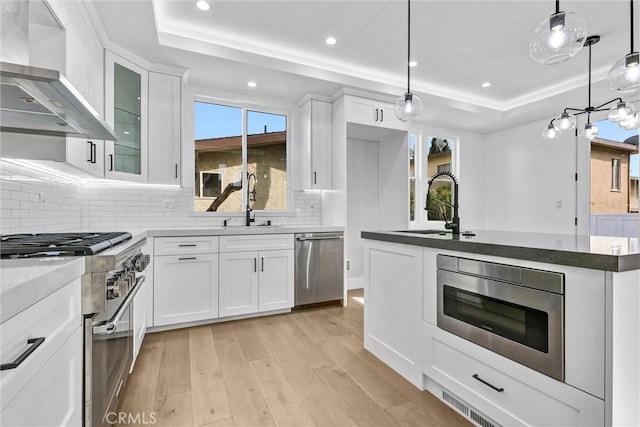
71,206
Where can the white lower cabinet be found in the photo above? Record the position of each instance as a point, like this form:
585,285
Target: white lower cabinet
256,281
140,310
275,282
185,288
238,283
51,375
485,385
57,390
393,292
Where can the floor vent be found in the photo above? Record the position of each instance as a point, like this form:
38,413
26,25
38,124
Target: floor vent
467,411
453,401
481,420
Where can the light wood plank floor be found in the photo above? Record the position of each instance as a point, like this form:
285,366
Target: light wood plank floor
304,368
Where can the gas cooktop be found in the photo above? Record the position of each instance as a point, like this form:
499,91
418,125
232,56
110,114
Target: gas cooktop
58,244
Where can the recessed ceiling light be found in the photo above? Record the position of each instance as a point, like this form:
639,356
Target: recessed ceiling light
413,64
203,4
486,84
330,40
252,84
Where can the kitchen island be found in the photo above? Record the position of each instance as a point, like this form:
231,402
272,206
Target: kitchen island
596,323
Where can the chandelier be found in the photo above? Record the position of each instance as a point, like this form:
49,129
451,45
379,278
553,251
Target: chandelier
621,112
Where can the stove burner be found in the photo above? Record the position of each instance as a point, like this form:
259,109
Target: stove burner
58,244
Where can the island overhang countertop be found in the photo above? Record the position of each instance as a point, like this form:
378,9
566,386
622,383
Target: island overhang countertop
615,254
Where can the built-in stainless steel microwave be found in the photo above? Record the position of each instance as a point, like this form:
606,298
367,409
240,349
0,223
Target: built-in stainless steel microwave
514,311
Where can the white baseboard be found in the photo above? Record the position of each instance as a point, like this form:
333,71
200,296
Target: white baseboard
355,283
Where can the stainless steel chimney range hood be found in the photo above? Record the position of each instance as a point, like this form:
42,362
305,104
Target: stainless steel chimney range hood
41,101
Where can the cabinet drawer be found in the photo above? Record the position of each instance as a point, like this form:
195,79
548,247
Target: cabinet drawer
54,318
185,245
241,243
504,397
56,390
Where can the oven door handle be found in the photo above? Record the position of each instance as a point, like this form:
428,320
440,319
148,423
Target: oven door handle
111,326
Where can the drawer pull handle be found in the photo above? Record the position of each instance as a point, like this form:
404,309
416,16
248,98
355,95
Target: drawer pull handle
37,342
187,258
476,377
191,245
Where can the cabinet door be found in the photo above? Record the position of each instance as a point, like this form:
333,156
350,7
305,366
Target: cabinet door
140,308
126,110
320,145
362,110
185,288
86,154
94,68
388,118
54,396
238,283
275,289
164,128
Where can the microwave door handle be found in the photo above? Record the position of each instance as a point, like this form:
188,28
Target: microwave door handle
111,326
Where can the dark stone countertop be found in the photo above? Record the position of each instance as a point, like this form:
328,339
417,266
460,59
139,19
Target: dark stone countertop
615,254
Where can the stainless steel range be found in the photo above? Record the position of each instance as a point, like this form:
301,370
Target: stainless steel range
114,267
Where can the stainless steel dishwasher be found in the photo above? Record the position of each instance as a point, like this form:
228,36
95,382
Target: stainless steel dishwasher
319,267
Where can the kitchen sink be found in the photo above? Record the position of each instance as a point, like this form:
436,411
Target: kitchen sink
441,232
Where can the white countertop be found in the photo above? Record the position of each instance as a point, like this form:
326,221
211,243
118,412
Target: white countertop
235,230
23,282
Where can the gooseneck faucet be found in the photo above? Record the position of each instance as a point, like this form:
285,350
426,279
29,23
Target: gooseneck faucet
251,197
454,225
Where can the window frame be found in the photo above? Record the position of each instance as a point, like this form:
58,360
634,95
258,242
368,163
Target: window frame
246,107
423,140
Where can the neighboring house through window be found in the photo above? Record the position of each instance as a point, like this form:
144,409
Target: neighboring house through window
233,143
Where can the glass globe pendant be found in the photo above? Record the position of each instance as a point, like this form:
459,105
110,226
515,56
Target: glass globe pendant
620,112
590,131
630,123
624,76
558,38
408,106
550,132
564,121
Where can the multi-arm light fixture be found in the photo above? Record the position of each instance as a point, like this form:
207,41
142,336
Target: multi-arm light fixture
622,113
624,76
558,38
408,106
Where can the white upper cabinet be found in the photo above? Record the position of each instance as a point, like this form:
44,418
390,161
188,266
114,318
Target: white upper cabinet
164,128
126,110
85,71
315,153
371,112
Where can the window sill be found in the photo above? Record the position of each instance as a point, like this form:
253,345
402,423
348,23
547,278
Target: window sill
258,214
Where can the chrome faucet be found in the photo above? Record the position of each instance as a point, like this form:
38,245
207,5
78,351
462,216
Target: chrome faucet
251,197
454,225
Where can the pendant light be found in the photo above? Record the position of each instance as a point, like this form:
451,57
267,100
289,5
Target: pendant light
558,38
408,106
622,113
624,76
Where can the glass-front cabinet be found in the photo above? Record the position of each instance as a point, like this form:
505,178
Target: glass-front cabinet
126,109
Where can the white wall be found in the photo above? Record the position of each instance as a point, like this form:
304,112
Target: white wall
525,176
362,203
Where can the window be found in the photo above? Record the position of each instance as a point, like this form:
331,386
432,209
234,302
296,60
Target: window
233,144
615,174
210,184
445,167
431,155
